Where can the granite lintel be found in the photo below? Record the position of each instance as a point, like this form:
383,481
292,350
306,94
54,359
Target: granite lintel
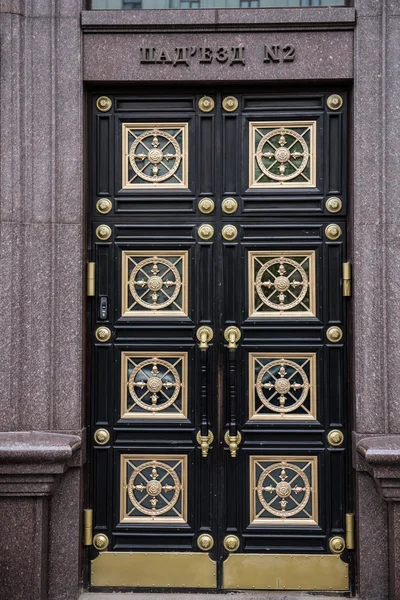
381,456
217,20
122,57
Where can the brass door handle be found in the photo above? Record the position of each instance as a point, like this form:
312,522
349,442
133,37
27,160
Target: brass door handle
204,334
204,435
233,442
232,437
232,335
205,442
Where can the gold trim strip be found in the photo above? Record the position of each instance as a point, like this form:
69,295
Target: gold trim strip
346,276
91,279
316,572
350,541
153,569
87,526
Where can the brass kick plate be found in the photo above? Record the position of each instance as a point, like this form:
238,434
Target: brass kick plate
153,569
316,572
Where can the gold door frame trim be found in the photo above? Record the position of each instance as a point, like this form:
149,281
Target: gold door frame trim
156,520
286,314
253,416
184,159
314,572
131,414
126,254
154,569
253,125
279,521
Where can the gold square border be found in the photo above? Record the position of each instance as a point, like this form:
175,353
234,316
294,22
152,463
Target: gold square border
274,521
253,416
275,125
131,415
252,254
125,312
155,186
123,485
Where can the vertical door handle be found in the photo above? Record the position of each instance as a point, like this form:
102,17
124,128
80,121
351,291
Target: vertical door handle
204,435
232,436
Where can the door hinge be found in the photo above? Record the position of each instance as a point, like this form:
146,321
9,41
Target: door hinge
350,531
87,526
91,279
346,276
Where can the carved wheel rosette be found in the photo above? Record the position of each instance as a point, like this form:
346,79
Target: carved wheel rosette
283,154
290,154
283,490
285,286
154,155
154,488
157,287
290,387
150,382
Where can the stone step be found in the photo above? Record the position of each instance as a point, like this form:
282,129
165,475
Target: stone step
227,596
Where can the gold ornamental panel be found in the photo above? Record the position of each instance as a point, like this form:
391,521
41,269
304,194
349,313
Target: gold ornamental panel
153,488
155,156
282,154
154,570
283,490
282,283
282,386
154,283
154,385
313,572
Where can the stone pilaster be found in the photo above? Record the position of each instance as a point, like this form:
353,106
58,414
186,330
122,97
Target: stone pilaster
41,202
31,468
375,267
381,457
41,295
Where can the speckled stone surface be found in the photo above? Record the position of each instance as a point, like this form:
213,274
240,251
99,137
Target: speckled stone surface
381,451
41,236
319,55
41,215
65,539
375,265
12,6
372,544
41,298
31,468
36,447
394,548
265,19
23,548
381,455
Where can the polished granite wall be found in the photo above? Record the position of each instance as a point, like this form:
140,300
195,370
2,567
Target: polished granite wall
41,297
48,52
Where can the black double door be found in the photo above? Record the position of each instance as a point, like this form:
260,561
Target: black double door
217,340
